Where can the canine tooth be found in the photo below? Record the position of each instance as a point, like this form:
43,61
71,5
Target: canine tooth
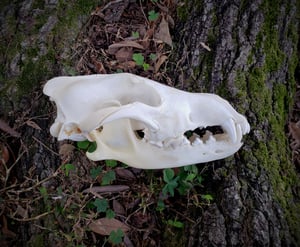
230,129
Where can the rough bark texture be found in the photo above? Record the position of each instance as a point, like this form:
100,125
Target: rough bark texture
252,64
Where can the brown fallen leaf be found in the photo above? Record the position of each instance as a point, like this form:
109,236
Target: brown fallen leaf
125,174
160,61
105,226
6,128
106,189
118,208
164,34
4,154
113,48
66,151
124,54
33,124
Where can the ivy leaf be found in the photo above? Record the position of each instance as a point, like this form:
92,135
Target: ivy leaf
152,15
108,177
153,56
67,168
168,175
135,34
175,223
115,237
110,214
95,172
101,205
83,144
111,163
146,66
207,197
92,147
138,58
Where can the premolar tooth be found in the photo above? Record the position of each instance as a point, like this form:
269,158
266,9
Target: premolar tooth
158,144
211,138
229,127
197,141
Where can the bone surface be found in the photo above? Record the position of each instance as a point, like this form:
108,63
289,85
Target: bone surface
143,123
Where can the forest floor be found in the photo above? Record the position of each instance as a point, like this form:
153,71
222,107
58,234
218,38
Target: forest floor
85,203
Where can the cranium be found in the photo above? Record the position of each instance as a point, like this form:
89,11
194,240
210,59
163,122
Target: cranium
143,123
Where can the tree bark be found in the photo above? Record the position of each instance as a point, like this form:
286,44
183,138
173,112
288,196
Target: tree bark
251,63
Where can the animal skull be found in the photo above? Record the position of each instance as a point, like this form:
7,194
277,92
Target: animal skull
143,123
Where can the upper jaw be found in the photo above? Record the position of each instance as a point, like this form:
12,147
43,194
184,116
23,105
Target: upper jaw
230,132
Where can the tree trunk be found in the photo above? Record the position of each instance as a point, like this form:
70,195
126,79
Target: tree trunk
251,63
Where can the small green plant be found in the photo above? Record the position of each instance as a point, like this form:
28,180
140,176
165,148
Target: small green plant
45,195
140,61
111,163
207,197
116,237
87,146
153,15
67,168
95,172
101,205
171,181
135,35
175,223
187,178
108,177
152,56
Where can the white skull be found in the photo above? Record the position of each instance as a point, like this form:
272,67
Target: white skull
143,123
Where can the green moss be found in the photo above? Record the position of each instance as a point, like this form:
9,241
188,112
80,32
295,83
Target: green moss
270,101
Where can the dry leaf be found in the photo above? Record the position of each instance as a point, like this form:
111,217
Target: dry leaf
33,124
66,150
118,208
128,65
106,189
205,46
164,33
105,226
112,49
4,154
124,54
125,174
99,67
159,62
22,212
6,128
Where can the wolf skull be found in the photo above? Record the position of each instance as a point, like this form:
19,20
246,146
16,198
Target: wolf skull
143,123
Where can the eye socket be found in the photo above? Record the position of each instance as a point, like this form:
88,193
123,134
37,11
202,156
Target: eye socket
100,129
139,134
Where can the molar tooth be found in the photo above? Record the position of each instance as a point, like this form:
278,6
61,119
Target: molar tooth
185,141
230,129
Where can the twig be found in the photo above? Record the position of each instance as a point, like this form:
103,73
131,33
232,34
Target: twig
32,218
44,145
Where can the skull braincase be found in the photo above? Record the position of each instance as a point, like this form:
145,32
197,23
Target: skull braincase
143,123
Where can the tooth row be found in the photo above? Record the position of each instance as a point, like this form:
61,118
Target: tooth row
233,130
